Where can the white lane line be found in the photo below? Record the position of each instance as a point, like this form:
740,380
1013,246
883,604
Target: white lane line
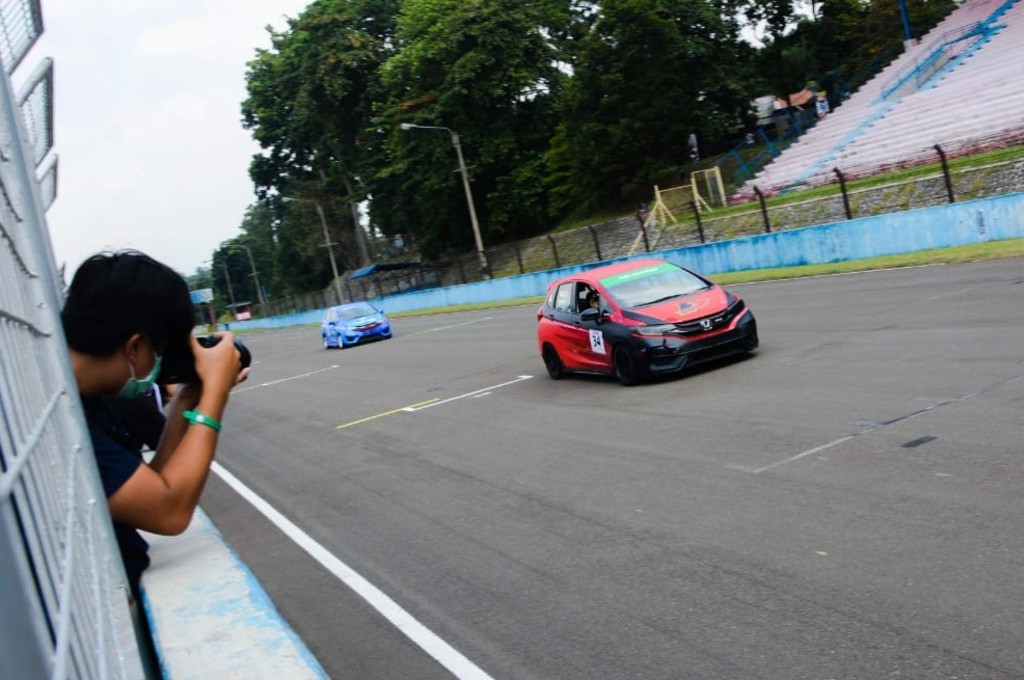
446,328
874,427
281,380
804,454
475,393
445,654
952,294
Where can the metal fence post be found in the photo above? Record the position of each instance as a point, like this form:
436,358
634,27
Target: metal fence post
519,258
945,174
696,216
846,197
554,250
764,210
597,243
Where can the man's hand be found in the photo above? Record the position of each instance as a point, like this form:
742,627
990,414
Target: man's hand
219,367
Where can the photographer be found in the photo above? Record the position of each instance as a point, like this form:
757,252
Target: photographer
125,315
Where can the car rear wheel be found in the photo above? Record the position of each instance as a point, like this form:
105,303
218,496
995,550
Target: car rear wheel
553,362
627,368
326,345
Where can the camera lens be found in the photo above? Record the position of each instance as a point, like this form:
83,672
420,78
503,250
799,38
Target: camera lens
180,366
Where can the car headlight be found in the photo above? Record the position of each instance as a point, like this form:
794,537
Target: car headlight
661,329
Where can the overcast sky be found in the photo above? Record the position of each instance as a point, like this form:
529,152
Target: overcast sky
147,106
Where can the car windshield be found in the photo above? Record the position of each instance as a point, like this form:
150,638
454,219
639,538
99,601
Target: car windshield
654,283
354,311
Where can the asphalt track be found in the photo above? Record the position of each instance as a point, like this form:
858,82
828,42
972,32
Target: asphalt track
847,503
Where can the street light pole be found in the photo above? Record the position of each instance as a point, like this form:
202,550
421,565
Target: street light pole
465,185
908,34
327,241
255,276
227,277
330,250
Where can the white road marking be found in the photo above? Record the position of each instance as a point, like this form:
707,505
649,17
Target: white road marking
804,454
281,380
874,427
954,293
474,393
427,640
446,328
385,413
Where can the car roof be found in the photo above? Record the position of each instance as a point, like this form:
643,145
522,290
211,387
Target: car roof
354,303
610,269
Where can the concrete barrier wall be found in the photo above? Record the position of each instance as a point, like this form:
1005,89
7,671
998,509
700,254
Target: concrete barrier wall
978,221
211,618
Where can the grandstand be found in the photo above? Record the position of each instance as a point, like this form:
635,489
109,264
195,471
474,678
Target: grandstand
958,88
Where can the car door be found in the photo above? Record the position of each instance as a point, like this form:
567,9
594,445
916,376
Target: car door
563,330
579,343
594,350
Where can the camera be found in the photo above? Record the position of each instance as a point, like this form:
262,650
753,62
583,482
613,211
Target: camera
180,367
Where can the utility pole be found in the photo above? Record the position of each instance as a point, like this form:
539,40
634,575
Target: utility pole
227,277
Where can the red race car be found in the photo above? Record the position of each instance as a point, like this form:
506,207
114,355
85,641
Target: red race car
639,318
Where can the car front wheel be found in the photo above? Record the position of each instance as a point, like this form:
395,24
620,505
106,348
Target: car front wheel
553,362
627,368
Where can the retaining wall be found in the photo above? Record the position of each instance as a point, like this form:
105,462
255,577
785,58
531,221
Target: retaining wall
977,221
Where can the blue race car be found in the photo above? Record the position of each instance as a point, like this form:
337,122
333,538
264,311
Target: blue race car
353,323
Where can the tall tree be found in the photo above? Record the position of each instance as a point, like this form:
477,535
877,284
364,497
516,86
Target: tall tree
486,70
650,73
310,97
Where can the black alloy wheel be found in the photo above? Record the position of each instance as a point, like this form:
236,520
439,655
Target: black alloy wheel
627,368
553,363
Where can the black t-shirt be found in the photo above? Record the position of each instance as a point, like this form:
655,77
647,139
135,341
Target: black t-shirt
116,462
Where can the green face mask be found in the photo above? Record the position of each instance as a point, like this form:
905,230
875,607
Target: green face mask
134,387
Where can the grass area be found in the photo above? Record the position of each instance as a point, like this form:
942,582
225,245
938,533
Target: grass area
993,250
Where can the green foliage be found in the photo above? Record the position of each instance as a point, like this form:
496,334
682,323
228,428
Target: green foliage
563,109
650,73
487,71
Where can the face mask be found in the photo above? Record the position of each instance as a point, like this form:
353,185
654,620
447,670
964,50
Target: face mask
133,387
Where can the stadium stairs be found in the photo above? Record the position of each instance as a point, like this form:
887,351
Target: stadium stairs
974,97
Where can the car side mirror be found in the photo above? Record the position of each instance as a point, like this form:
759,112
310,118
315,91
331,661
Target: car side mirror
590,314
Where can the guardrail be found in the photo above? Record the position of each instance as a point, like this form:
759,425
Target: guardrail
63,588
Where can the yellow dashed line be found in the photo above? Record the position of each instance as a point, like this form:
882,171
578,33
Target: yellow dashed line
386,413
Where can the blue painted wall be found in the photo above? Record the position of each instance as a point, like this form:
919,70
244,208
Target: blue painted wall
989,219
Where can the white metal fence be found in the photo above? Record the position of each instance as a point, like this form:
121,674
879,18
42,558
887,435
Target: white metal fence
63,593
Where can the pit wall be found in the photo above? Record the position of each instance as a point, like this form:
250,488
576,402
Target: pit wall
978,221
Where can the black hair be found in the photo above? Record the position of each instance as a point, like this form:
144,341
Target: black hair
115,295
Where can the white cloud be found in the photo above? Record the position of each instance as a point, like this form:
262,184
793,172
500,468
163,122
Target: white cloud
147,108
186,39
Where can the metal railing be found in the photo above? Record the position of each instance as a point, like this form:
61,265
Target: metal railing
65,600
690,224
935,56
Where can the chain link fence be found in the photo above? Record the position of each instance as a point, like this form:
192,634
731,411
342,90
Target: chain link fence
65,598
691,225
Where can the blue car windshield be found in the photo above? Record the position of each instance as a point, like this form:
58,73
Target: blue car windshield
655,283
354,311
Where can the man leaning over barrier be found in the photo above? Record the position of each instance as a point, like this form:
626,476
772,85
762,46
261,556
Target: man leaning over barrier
123,314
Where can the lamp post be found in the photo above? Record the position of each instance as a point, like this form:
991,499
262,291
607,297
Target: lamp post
465,184
327,240
908,35
255,276
227,277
